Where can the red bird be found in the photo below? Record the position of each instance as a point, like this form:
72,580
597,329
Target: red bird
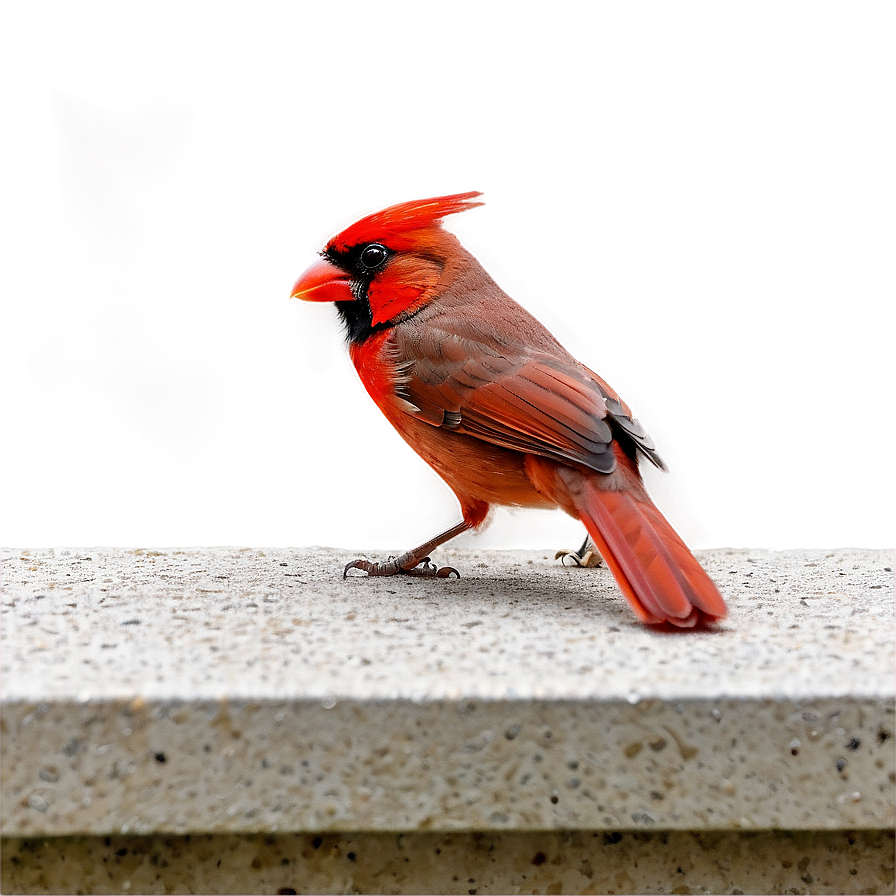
495,405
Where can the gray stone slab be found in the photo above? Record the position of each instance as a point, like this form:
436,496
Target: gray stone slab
230,690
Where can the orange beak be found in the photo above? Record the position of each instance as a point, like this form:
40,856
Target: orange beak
323,282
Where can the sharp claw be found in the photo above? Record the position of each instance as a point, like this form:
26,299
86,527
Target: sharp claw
356,564
562,555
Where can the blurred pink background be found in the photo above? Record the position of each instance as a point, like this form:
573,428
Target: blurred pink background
697,199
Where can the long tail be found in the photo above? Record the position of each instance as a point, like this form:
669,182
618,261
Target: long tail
653,567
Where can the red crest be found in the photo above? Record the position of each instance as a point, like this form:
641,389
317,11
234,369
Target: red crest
402,218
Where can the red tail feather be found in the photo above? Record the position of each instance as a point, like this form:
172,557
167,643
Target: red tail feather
653,566
654,569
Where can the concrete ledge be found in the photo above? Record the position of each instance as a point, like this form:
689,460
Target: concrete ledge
244,690
487,862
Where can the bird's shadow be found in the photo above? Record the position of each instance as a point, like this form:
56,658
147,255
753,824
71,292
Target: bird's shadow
598,600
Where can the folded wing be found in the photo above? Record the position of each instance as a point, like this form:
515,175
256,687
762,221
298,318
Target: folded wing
524,399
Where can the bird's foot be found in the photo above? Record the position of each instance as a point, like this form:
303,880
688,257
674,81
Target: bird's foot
424,568
586,556
588,560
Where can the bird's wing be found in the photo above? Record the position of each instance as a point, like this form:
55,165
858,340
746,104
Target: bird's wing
521,398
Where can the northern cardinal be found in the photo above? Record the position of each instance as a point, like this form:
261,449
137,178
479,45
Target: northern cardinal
495,405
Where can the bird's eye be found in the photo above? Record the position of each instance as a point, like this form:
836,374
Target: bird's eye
374,256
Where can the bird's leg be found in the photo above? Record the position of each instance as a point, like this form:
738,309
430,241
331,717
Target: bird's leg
586,555
408,563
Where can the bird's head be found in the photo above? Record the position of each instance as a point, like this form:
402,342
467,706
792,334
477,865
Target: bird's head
386,265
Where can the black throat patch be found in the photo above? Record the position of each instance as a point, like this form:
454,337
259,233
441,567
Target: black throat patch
357,318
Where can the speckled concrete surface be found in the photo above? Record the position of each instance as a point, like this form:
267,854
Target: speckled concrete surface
253,690
536,862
